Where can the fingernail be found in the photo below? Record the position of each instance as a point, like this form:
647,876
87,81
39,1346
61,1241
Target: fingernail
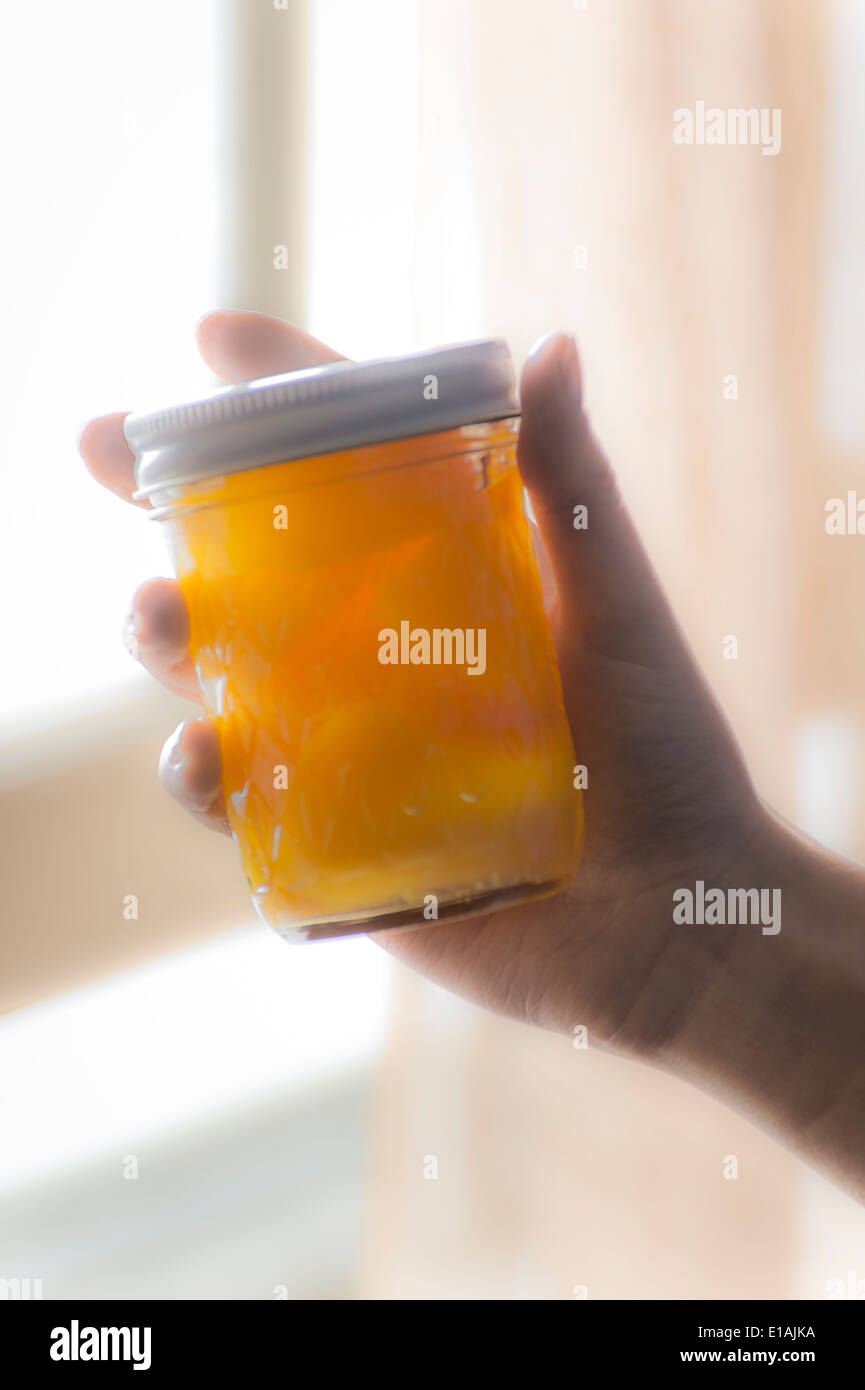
562,348
174,773
173,758
130,632
569,363
540,344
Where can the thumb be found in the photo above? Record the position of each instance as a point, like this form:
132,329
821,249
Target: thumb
607,594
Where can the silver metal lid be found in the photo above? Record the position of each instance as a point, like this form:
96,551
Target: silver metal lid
321,410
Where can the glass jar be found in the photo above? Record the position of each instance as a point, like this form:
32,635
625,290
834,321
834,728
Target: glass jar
369,635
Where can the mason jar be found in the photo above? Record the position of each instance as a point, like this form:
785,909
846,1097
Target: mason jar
369,634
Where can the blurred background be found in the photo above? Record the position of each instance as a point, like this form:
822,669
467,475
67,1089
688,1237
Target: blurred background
188,1107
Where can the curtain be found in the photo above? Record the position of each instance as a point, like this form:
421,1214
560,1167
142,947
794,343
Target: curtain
705,287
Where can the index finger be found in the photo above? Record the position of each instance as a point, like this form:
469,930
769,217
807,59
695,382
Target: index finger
238,346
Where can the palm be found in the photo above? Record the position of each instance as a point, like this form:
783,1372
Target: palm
587,955
667,789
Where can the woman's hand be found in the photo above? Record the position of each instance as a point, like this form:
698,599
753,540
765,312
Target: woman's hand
669,801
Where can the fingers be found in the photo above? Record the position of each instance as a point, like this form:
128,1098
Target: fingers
240,346
156,633
237,347
102,445
190,769
607,592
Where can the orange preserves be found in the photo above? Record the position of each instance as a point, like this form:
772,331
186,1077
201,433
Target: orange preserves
369,635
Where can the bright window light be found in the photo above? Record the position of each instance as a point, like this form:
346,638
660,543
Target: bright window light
181,1041
362,269
113,156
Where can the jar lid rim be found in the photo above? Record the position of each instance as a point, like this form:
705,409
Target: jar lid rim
321,410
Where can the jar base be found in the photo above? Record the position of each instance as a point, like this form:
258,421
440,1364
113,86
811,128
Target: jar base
413,919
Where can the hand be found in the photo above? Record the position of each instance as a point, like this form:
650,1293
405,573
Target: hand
669,800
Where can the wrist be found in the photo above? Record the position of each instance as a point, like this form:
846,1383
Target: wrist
775,1014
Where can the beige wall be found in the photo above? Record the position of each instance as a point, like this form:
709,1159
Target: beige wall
85,824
